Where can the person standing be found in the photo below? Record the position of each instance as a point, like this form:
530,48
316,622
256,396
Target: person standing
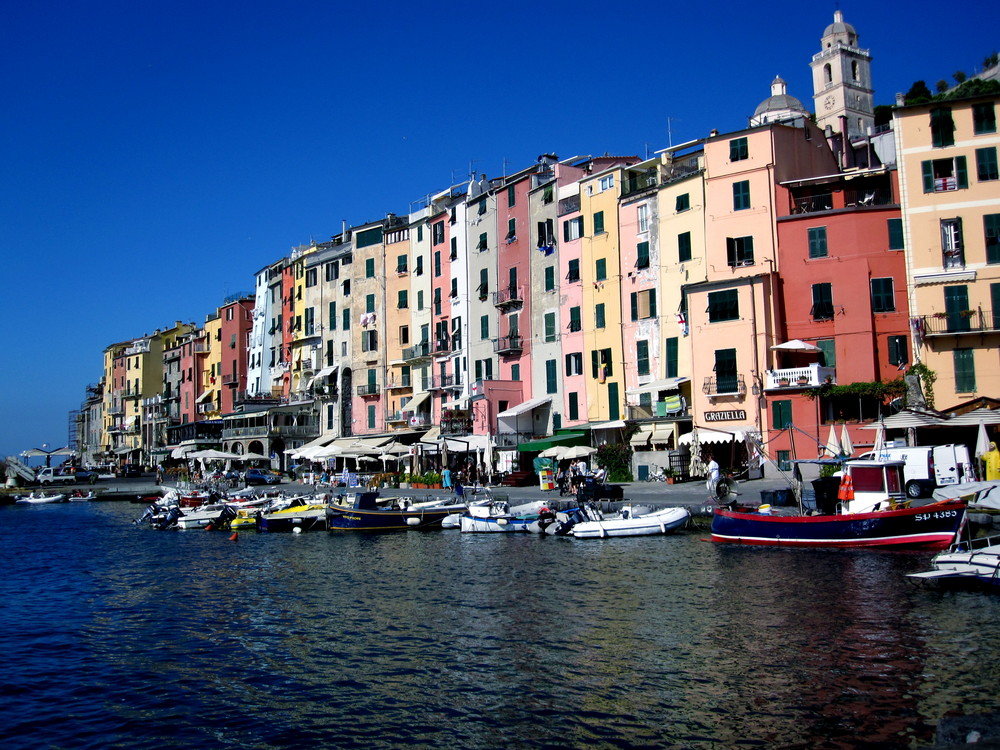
713,474
446,478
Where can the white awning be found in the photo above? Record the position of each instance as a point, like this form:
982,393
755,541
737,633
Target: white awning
431,436
666,384
205,396
414,403
469,443
526,406
705,435
907,418
324,372
614,424
320,442
641,438
664,432
974,417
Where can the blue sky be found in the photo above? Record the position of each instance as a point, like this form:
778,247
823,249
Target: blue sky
156,155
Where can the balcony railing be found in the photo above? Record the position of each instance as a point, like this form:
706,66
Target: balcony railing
393,385
420,351
368,389
230,379
964,321
513,439
726,385
442,345
655,411
810,376
508,344
441,382
862,198
508,297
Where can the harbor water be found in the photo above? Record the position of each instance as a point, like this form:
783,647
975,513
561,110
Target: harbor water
116,636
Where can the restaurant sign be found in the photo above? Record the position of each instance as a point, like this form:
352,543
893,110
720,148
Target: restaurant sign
733,415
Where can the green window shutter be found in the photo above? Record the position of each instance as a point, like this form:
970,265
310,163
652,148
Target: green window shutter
652,303
883,298
482,207
683,247
898,353
965,371
927,169
961,172
642,255
995,305
574,319
550,326
895,234
369,268
642,357
345,316
986,164
671,356
333,316
991,230
484,327
601,269
402,299
683,203
595,363
741,195
551,377
574,406
511,196
599,315
781,414
369,303
599,222
550,278
817,242
634,302
566,230
479,369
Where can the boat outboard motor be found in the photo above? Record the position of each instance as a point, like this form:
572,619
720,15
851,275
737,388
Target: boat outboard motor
225,518
151,511
170,519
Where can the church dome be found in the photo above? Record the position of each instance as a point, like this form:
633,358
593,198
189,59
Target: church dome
778,106
840,30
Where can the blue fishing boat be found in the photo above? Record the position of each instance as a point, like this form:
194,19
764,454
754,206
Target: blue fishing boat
361,511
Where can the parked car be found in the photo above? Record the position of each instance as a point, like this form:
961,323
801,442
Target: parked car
53,475
261,476
130,470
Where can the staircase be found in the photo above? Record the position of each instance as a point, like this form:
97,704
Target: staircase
26,473
518,479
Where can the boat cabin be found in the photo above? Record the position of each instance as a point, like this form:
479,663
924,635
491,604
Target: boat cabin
878,485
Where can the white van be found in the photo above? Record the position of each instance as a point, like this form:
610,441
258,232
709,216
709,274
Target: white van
930,466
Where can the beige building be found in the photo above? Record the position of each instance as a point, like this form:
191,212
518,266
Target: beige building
950,188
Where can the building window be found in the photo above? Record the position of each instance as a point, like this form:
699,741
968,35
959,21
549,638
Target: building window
642,357
599,222
822,306
607,182
402,299
724,305
738,149
642,215
437,300
573,270
573,229
515,372
828,348
984,118
484,283
454,248
781,414
965,371
369,268
942,127
683,247
600,364
437,233
402,263
369,341
943,175
418,269
739,251
991,231
310,323
369,303
817,242
437,263
785,460
550,278
682,202
952,248
895,227
671,351
333,316
883,297
643,304
454,287
484,327
642,255
310,280
511,197
511,235
898,350
574,363
741,195
956,306
482,207
726,376
986,164
575,323
550,327
551,376
601,269
371,416
574,406
332,271
599,321
420,299
404,338
483,242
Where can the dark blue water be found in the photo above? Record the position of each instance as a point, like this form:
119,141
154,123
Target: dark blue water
115,636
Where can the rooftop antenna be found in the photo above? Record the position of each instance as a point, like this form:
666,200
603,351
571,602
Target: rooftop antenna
670,137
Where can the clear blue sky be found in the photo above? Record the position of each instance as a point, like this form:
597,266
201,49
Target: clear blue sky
155,155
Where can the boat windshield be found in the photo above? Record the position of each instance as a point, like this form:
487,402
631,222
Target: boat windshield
867,479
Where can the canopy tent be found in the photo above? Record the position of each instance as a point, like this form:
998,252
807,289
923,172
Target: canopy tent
41,453
910,418
976,417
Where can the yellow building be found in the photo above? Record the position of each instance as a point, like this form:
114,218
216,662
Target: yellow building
950,187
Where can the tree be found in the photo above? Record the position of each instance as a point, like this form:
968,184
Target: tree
959,76
918,93
990,61
941,86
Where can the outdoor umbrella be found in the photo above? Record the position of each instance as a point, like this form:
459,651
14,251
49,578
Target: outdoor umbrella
697,467
846,446
796,345
982,442
878,450
832,444
578,451
554,452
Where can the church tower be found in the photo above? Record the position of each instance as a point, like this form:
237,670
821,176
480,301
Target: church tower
842,80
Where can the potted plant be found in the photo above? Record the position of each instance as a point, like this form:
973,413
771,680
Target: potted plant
803,379
782,382
671,474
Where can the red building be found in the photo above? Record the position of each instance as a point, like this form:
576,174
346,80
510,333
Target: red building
237,323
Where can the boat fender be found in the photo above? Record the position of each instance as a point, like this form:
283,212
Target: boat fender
412,521
297,530
501,522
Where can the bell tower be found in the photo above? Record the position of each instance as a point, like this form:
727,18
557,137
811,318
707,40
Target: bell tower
842,80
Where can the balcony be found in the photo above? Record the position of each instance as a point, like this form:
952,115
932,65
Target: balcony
258,399
656,411
398,416
419,352
508,344
401,385
810,376
368,389
509,297
442,345
961,322
231,379
513,439
443,382
726,385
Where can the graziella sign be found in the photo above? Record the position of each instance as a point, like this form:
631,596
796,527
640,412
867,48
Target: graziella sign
733,415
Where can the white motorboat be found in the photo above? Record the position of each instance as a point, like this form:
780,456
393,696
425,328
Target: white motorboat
499,516
40,498
82,497
632,521
969,560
